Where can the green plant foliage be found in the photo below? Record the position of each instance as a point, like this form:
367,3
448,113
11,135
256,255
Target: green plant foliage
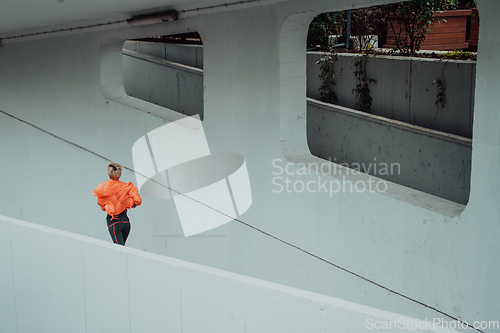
441,89
362,89
457,54
414,18
445,4
365,23
322,27
440,97
327,75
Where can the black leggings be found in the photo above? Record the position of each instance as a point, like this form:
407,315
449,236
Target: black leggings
119,227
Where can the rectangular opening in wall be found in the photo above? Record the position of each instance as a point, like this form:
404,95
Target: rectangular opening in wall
166,71
379,104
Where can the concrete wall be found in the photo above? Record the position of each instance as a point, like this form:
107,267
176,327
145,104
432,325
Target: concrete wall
427,249
426,160
94,286
189,55
163,82
404,91
430,161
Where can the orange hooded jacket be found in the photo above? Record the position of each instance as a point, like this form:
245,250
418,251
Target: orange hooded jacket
115,196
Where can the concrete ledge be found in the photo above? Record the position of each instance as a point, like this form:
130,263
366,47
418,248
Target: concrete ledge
48,273
163,62
186,54
404,88
394,123
395,191
427,160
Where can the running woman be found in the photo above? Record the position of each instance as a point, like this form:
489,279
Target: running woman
116,197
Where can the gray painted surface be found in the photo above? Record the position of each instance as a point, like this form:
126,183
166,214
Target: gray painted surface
404,90
433,162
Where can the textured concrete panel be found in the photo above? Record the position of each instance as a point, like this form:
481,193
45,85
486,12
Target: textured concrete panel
49,284
106,289
391,91
313,72
153,49
173,86
454,117
189,55
155,296
129,290
345,81
403,89
432,162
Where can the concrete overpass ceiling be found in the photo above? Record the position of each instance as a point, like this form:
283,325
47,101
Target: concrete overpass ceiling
19,17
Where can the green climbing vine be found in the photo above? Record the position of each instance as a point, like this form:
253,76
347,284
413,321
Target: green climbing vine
362,89
327,77
441,90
